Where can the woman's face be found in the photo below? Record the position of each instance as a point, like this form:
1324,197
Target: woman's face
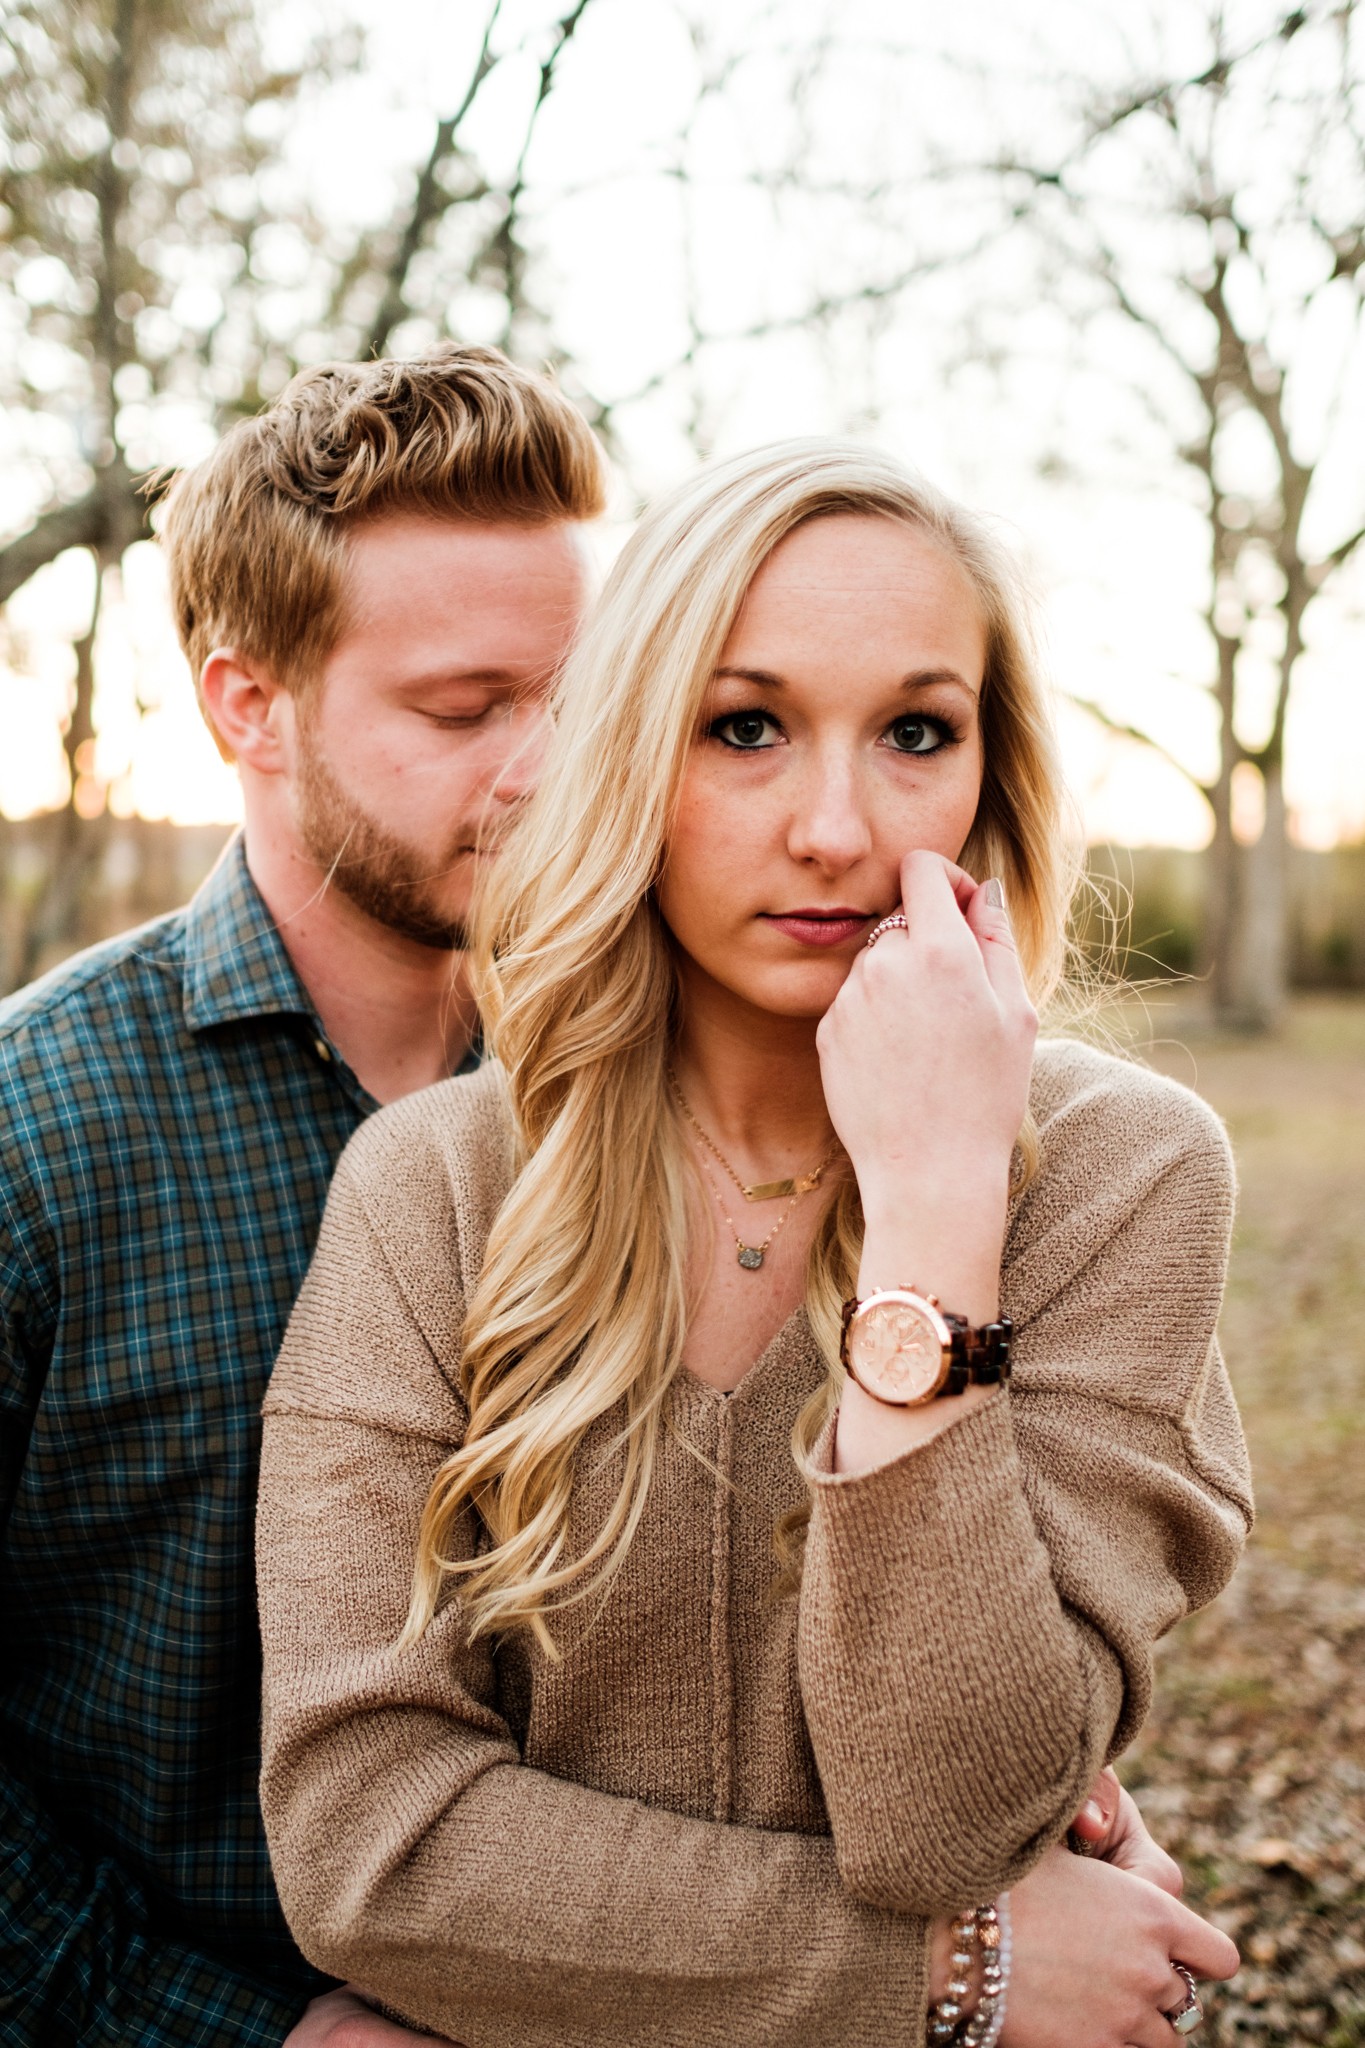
841,730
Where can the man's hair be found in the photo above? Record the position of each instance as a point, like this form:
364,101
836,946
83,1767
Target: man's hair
255,535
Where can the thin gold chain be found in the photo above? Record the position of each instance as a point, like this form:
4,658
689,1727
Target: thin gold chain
761,1191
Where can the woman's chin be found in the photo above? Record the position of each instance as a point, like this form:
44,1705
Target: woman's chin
802,991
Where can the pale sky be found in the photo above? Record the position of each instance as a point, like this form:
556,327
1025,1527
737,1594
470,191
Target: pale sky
1116,551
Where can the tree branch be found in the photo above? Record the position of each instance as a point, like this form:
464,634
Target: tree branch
505,239
110,516
1133,732
823,308
1318,572
428,202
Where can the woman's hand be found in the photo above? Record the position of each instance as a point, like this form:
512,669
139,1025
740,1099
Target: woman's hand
344,2018
926,1054
1111,1827
1092,1957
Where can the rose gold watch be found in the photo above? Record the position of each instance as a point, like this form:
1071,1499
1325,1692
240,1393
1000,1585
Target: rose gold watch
903,1348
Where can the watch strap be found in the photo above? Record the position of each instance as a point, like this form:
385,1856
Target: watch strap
981,1357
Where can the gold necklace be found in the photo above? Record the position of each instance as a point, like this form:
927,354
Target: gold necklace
750,1256
763,1190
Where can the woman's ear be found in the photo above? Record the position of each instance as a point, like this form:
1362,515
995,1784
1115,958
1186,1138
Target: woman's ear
246,707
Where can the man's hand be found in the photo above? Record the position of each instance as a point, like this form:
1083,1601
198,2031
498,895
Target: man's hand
342,2019
1111,1828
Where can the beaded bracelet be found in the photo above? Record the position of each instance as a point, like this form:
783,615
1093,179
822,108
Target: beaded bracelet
943,2017
984,2027
986,1928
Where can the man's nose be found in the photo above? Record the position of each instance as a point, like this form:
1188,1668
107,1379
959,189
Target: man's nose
522,735
829,825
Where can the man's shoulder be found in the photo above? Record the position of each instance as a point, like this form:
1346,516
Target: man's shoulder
84,992
76,1051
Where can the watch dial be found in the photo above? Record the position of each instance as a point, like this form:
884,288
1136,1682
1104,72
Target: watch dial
895,1352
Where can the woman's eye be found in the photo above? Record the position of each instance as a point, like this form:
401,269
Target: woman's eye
746,729
917,735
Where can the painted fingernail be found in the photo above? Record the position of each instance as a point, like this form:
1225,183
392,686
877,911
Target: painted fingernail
1093,1812
995,893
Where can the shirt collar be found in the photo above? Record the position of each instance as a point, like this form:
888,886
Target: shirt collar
236,964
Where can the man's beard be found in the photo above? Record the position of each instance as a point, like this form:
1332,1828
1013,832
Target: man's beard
392,881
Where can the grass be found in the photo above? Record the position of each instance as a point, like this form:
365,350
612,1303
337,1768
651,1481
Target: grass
1252,1766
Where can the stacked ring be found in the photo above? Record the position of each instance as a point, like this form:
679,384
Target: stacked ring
894,923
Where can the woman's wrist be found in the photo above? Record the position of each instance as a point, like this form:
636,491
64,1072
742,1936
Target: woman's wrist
954,1256
945,1241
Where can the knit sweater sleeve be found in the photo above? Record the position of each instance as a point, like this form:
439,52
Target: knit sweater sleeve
978,1615
414,1852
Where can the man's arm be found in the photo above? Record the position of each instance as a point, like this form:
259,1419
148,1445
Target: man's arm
81,1961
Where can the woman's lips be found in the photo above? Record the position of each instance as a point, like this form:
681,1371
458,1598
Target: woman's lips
820,927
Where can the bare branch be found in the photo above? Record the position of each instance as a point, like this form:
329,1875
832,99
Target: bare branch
1132,732
428,202
504,242
1319,572
1162,93
110,517
826,307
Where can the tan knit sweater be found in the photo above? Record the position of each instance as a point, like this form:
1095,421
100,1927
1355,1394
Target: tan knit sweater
719,1819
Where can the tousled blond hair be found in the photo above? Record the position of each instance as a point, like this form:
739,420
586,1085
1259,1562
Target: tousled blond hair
579,1311
255,535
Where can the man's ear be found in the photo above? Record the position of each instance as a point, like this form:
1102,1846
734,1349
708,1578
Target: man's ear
247,709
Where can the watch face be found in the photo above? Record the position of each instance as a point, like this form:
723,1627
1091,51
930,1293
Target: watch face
896,1351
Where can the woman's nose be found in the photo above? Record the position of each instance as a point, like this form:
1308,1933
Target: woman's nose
829,824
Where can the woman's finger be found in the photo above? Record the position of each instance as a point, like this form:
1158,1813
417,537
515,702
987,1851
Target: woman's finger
988,920
935,894
1204,1950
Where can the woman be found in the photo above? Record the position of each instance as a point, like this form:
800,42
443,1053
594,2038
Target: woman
583,1331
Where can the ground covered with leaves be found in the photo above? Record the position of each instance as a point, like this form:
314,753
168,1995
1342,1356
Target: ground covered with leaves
1252,1767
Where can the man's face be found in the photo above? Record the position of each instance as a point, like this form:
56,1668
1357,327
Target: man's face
425,727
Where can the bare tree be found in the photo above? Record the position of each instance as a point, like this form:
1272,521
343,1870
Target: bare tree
1219,215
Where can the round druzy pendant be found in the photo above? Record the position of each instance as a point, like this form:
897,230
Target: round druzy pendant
750,1257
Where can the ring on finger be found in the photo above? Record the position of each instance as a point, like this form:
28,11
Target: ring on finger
1188,2015
894,923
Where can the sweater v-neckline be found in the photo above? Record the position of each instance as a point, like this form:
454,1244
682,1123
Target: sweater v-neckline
791,1339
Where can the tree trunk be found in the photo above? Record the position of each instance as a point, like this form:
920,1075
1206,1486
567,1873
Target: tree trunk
1257,979
53,927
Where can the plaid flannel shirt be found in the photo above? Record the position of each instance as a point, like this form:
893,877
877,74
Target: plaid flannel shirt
171,1110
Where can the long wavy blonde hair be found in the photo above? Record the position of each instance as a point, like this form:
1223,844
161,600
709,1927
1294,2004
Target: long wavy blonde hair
580,1311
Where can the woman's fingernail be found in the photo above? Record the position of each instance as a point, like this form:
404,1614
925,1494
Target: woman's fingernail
1093,1812
995,893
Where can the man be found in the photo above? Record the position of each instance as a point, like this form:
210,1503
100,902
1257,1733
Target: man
375,582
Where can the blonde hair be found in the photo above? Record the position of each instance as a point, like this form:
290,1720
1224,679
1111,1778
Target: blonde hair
579,1311
255,535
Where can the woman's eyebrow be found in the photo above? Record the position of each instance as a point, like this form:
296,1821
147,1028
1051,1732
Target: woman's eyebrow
762,677
924,678
918,679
